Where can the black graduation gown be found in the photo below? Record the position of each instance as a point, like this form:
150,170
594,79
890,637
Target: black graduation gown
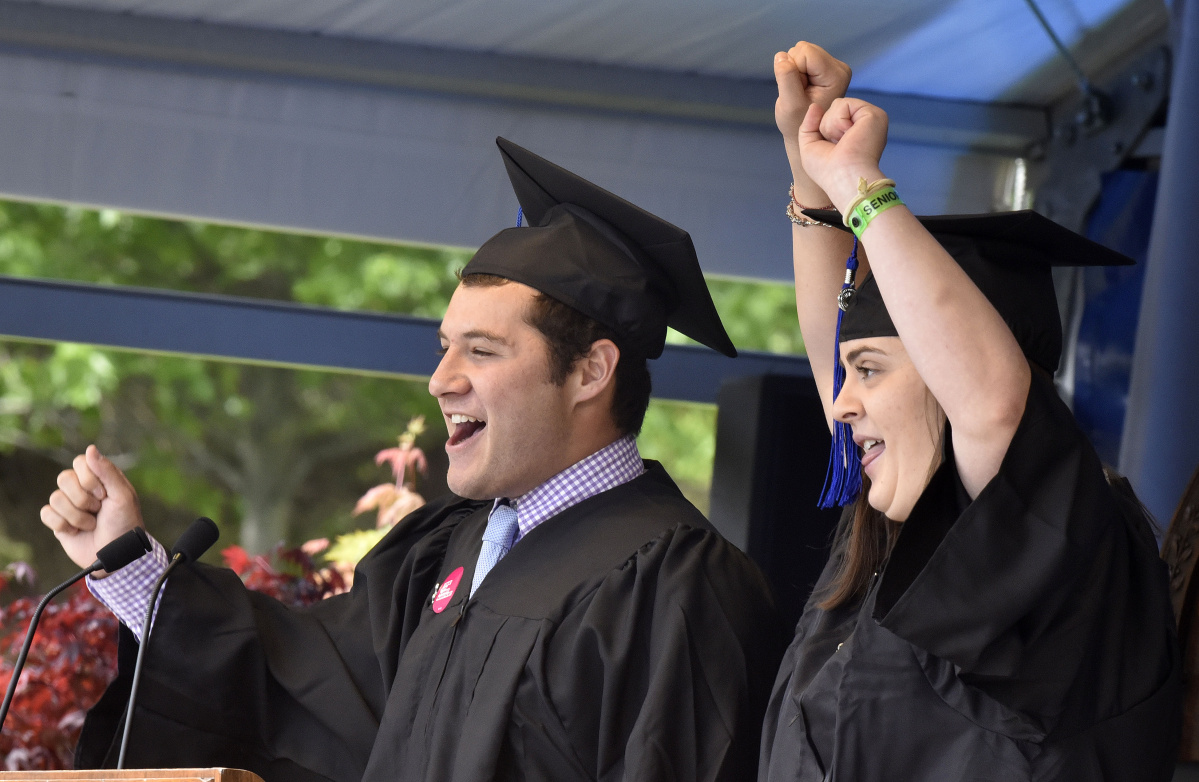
1026,635
621,639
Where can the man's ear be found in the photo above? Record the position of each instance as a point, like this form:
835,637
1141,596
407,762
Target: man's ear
596,371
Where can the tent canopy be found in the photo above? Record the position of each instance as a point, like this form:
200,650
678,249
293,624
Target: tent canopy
376,119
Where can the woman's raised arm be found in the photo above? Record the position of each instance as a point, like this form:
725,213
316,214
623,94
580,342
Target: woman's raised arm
806,75
958,342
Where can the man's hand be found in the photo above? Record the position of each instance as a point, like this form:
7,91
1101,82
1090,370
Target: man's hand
806,75
841,145
94,505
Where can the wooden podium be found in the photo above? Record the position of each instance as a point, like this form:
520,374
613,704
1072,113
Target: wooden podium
154,774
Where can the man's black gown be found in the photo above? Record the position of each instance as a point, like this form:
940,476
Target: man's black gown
1026,635
621,639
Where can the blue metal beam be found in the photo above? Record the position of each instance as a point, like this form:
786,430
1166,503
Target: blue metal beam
259,331
1160,447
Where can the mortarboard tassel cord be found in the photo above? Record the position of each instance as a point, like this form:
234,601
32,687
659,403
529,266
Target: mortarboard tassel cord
520,215
843,480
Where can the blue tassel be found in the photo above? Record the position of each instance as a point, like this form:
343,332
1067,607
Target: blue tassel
520,215
843,479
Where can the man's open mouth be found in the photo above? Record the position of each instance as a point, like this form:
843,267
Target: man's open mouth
464,428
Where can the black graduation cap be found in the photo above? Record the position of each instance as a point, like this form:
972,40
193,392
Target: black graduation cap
598,254
1009,256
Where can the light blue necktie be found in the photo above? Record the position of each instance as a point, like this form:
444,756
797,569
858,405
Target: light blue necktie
497,539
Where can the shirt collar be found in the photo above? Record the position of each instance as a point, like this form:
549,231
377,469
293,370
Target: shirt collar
616,463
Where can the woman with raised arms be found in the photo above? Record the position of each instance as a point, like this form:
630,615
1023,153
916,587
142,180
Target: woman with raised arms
993,607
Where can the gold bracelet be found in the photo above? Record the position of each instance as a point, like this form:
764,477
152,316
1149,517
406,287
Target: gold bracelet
864,192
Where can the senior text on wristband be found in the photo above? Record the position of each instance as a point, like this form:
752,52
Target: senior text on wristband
866,209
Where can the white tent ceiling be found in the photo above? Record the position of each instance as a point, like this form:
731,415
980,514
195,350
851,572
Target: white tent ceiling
980,50
375,118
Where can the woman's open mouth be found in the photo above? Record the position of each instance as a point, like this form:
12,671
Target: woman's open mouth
464,428
871,450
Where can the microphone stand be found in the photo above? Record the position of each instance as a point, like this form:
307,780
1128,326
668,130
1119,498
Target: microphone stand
141,655
194,541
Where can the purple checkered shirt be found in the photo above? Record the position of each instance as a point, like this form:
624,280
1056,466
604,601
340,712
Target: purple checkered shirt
616,463
126,591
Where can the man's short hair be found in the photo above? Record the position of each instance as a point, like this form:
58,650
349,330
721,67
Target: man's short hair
569,334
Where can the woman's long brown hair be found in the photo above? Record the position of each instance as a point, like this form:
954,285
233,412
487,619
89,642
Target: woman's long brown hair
867,541
870,535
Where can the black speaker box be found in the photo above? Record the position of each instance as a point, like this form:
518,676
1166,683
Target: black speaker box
772,446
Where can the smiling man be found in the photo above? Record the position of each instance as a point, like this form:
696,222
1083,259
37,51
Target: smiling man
568,616
513,418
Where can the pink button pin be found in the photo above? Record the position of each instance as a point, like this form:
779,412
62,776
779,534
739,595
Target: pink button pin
441,598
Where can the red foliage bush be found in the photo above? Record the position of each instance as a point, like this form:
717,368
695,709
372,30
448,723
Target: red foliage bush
71,662
296,580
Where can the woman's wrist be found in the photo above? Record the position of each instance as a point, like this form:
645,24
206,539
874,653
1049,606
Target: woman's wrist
812,198
845,187
876,198
805,193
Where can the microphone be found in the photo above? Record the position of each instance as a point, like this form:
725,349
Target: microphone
114,556
195,540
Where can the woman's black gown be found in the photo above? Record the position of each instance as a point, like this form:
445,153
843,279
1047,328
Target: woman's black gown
1026,635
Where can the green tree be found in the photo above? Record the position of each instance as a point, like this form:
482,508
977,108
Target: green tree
239,442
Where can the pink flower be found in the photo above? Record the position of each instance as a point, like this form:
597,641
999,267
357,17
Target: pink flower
315,546
401,504
379,497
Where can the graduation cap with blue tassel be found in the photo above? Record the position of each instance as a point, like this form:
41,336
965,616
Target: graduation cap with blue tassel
1009,256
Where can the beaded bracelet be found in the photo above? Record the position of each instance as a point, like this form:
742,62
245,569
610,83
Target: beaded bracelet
794,209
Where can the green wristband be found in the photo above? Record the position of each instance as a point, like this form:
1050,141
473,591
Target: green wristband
869,208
